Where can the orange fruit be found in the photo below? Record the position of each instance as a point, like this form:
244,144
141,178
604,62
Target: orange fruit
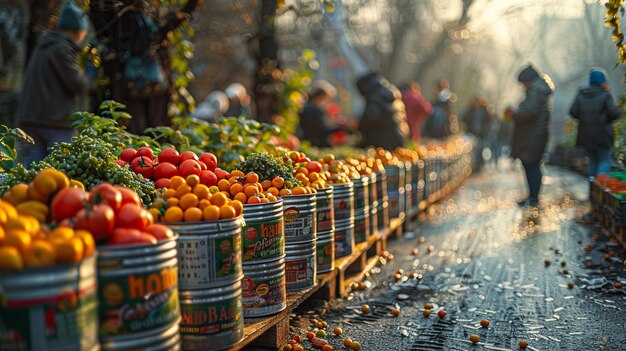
227,212
188,201
44,185
18,238
303,170
241,197
284,192
251,190
214,189
169,193
10,258
2,234
265,200
70,250
236,188
182,190
193,214
61,232
233,180
40,253
223,185
172,201
156,213
254,200
278,182
273,191
177,181
266,184
173,214
313,177
88,242
211,213
236,173
202,191
252,177
35,194
219,199
298,190
272,198
8,209
19,193
61,180
238,206
192,180
312,190
204,203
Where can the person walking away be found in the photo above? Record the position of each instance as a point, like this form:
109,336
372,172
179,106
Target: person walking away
532,128
502,140
314,126
238,101
418,109
595,111
478,123
383,123
52,83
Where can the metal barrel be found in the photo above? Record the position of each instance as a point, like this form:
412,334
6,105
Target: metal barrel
383,216
383,200
137,290
325,251
263,232
417,179
395,189
300,217
343,201
263,285
374,220
362,225
300,265
344,237
50,308
209,253
212,319
325,209
373,200
165,338
361,193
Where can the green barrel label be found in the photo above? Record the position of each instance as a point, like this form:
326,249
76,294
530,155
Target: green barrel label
263,240
211,325
325,255
202,261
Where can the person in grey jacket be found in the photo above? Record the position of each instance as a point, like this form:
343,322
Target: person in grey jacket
52,83
532,128
595,111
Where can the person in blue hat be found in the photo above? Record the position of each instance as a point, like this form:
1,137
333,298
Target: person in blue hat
595,111
52,83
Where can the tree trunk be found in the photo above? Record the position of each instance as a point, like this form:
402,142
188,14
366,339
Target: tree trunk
267,61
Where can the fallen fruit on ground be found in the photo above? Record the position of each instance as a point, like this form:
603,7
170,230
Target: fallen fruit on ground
365,308
474,338
395,312
337,331
441,314
484,323
355,346
426,313
347,342
523,344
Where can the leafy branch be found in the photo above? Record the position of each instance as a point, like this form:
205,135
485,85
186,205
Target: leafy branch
8,139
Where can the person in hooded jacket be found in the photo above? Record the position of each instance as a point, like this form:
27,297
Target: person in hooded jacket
532,128
52,83
314,125
383,123
595,111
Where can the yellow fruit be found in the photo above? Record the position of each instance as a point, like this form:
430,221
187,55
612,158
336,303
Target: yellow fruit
8,209
35,194
89,243
62,233
40,253
214,189
19,193
192,180
10,259
156,214
70,250
26,223
193,214
34,208
61,180
211,213
188,201
2,234
77,184
3,217
173,215
18,239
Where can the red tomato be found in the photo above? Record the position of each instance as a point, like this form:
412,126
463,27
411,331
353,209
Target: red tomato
169,155
160,231
123,236
121,163
189,167
146,152
209,160
188,155
162,183
99,220
208,178
129,196
314,166
67,203
202,166
165,170
142,165
132,217
106,194
128,155
221,174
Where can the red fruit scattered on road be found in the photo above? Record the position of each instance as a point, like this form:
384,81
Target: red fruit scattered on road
441,314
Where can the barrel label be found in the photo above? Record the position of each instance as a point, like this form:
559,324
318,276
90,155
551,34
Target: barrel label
298,225
202,261
135,303
361,229
325,255
263,240
344,242
67,320
325,219
210,319
263,295
344,209
361,197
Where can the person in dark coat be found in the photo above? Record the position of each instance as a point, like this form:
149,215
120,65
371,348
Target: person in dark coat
52,83
478,123
595,111
313,122
532,128
383,123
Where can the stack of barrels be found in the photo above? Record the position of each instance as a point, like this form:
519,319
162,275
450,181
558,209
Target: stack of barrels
300,218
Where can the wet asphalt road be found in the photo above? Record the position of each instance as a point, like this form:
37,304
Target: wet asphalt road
483,258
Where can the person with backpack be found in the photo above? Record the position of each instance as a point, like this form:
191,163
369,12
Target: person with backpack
595,111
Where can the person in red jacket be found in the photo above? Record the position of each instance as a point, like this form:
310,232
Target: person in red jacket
418,109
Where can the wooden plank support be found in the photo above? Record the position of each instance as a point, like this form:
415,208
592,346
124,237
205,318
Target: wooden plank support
276,336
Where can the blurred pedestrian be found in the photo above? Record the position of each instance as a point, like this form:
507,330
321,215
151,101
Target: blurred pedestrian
383,123
532,124
478,123
238,101
502,139
314,126
136,59
418,109
595,111
212,107
52,83
443,120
